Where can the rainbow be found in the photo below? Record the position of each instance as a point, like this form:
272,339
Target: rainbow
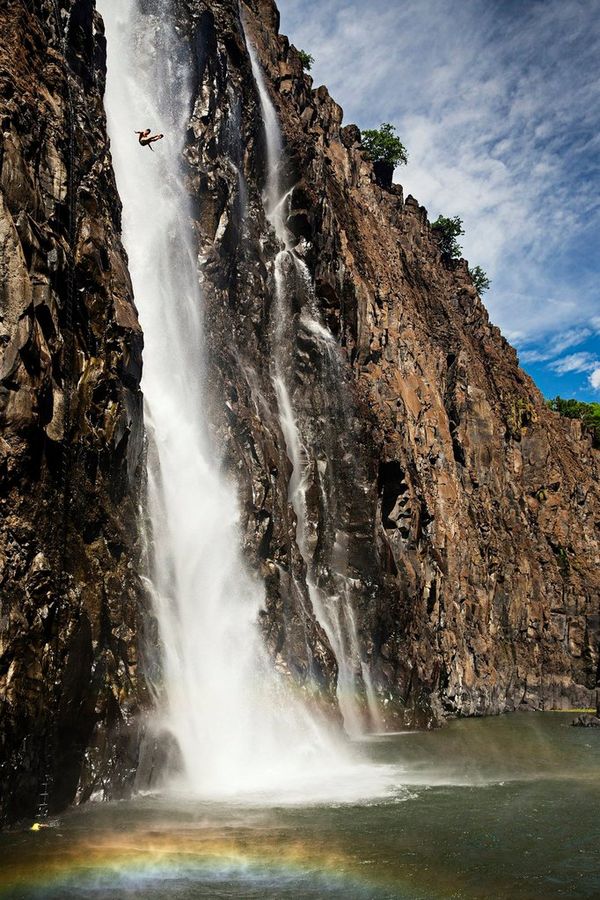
112,865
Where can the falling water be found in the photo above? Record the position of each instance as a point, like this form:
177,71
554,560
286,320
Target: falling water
239,730
334,611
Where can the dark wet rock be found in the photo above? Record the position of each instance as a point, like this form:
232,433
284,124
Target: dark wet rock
71,424
587,721
384,173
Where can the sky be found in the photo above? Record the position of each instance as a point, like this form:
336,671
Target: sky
498,105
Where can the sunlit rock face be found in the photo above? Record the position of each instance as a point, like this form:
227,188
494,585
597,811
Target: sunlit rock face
469,511
70,360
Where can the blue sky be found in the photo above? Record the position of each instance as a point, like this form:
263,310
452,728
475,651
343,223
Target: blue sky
498,104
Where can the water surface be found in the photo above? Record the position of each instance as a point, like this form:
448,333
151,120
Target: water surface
491,808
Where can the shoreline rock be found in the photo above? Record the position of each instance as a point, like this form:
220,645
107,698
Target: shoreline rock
587,720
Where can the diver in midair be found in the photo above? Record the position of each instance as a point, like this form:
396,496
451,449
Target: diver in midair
146,139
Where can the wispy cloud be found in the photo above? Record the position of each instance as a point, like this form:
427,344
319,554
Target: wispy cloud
575,362
498,104
557,345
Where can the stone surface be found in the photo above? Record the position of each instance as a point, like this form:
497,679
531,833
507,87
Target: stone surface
71,424
587,721
472,510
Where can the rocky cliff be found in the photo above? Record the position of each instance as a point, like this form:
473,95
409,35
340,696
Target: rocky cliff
470,511
449,519
71,422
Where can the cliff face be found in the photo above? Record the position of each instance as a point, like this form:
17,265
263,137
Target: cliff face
70,418
469,511
448,519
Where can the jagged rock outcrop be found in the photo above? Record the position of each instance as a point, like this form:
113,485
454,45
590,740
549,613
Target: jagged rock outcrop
71,422
471,510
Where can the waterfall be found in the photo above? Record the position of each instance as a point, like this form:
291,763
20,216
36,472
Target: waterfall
238,729
242,731
334,610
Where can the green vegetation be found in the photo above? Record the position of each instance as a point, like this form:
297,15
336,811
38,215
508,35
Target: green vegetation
588,413
480,280
446,231
383,145
306,59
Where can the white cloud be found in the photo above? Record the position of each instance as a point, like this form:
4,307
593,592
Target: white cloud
557,345
575,362
595,379
533,356
572,338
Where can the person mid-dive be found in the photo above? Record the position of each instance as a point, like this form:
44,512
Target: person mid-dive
146,139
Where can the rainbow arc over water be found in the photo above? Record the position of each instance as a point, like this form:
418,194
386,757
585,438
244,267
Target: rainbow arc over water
187,864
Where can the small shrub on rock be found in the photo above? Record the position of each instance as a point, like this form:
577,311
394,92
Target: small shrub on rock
446,231
588,413
480,280
306,59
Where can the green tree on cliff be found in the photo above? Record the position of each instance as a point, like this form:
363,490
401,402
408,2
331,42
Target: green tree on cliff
480,280
383,145
446,231
588,413
306,59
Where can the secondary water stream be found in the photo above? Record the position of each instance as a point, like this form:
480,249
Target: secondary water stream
331,602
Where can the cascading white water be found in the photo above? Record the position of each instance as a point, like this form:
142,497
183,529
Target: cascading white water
334,611
239,730
217,681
